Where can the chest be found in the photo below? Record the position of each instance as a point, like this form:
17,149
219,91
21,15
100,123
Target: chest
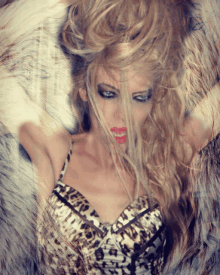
105,191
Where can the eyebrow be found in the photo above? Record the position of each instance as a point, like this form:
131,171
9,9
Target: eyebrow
117,90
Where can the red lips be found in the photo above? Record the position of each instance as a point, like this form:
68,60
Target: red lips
118,130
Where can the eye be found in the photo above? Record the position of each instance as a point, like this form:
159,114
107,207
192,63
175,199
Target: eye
143,98
106,94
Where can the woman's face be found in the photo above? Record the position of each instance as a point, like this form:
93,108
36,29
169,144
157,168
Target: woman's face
109,100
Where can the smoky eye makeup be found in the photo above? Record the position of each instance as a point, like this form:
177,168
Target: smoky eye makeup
106,92
144,97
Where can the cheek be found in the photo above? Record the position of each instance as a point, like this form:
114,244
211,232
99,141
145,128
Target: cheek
141,114
108,109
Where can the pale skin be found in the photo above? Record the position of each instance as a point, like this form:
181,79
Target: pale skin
90,170
111,107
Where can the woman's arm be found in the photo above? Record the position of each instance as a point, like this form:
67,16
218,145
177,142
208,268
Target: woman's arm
203,124
35,129
19,114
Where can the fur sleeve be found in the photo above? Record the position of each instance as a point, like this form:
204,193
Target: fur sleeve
30,51
202,68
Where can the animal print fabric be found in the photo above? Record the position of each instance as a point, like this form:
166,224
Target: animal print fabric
73,239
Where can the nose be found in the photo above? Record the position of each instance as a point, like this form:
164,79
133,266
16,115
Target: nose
120,112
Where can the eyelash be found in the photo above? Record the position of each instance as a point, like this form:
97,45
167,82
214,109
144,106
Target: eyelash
113,95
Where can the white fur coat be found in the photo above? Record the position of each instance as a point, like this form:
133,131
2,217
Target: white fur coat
32,62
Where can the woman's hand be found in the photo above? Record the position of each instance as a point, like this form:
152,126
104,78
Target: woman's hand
203,124
196,132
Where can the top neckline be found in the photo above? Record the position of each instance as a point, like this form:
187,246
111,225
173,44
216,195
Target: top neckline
61,189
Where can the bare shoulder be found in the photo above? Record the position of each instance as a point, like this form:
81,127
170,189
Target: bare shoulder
51,159
47,150
58,149
51,162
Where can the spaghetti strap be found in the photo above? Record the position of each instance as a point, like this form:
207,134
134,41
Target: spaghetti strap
66,162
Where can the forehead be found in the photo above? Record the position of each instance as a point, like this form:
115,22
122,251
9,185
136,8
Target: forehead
135,81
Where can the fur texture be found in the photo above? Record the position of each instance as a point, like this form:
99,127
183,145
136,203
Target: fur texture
18,210
33,62
30,50
203,256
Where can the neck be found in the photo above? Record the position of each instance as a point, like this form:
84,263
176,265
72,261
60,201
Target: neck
103,157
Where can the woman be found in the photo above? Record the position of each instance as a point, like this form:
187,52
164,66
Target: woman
127,73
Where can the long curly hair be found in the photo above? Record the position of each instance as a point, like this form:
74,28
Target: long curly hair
201,72
150,34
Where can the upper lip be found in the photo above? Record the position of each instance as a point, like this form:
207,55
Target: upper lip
118,130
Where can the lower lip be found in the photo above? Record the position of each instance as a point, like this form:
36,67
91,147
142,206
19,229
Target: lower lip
121,139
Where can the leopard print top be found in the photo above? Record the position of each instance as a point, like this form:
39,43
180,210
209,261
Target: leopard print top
73,239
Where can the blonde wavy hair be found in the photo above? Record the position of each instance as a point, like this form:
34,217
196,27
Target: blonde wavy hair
151,33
